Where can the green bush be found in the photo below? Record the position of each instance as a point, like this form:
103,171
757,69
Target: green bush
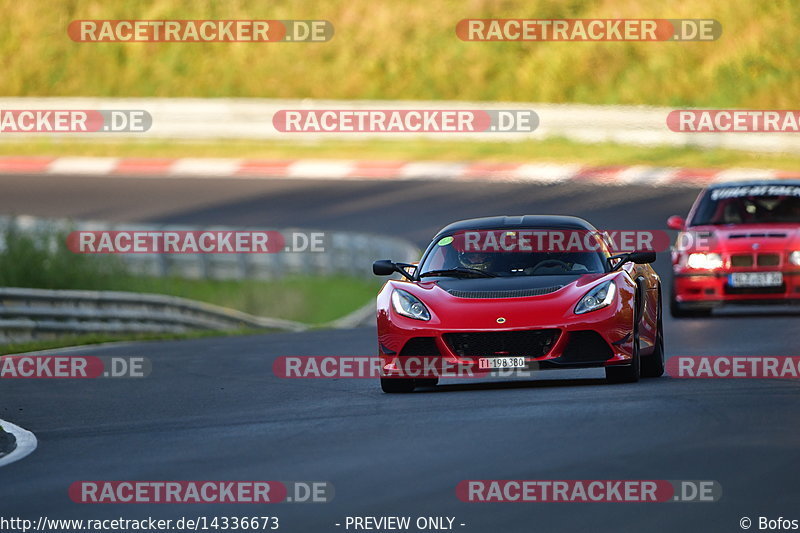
42,260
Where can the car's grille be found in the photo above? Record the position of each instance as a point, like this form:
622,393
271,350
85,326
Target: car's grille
741,260
746,260
768,259
585,346
529,343
519,293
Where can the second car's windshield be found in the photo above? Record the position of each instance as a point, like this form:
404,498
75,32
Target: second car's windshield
450,257
757,204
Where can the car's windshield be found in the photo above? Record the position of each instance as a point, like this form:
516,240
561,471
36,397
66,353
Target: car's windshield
752,204
450,257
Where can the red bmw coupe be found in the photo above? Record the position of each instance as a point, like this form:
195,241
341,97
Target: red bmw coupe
739,245
505,305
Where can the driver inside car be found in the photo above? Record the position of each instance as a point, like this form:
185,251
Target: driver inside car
476,260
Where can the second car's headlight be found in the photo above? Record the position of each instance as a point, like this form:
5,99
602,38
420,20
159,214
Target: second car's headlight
407,304
704,261
597,298
794,258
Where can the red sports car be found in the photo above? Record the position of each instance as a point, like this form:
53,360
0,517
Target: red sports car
740,245
503,303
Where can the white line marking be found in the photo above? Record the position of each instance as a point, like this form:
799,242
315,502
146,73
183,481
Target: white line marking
199,167
320,169
93,166
431,169
26,443
546,173
644,175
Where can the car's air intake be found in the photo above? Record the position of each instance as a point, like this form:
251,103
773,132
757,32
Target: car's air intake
530,343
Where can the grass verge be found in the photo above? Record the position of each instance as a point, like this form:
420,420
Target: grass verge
80,340
312,300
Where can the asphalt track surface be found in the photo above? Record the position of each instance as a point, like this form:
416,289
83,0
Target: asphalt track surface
213,410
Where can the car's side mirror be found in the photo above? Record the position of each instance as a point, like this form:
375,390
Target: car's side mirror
676,222
385,267
640,258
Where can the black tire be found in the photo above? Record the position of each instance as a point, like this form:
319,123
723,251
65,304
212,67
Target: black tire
653,364
628,373
675,309
397,385
427,382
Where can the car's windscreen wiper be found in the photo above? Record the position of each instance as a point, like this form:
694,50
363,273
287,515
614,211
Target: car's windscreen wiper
459,271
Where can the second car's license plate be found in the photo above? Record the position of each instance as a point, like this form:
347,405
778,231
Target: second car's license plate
489,363
756,279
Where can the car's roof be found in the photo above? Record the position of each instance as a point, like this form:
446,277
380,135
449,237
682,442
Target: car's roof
522,221
755,182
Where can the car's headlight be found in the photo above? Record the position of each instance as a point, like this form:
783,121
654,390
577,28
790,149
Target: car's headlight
794,258
597,298
407,304
704,261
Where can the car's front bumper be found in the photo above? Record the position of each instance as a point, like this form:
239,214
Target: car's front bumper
712,289
598,339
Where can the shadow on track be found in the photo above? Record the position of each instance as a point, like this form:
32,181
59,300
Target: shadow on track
527,384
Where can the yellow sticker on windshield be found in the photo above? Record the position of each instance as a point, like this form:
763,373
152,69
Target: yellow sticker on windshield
445,241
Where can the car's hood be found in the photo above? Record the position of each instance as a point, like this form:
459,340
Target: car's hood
743,237
509,287
520,301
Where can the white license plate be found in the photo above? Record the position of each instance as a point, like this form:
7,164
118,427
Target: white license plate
756,279
491,363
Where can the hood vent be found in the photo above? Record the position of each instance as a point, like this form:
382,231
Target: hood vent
518,293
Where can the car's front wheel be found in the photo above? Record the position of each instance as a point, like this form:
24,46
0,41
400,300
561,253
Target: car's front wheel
625,374
653,364
628,373
397,385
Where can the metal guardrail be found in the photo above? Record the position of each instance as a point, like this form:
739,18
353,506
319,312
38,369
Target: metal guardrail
251,118
27,314
40,313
